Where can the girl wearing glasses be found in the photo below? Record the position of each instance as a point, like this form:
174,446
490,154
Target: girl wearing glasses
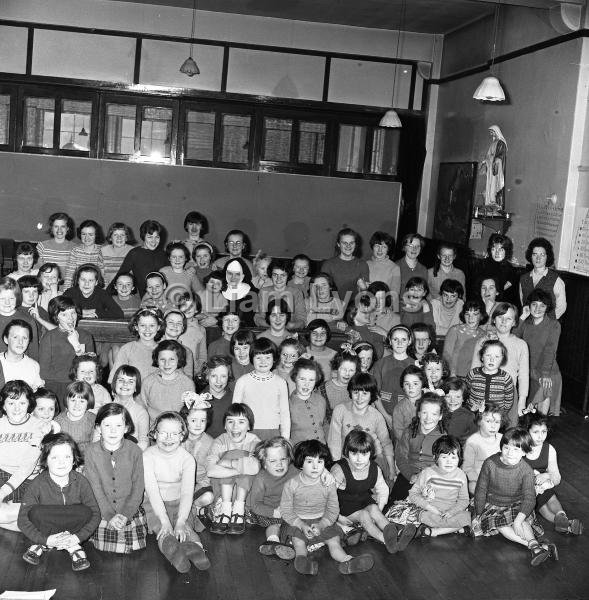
169,472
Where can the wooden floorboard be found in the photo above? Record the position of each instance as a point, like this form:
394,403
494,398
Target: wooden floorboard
447,568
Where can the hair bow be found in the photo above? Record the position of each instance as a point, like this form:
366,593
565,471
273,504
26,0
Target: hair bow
347,347
195,401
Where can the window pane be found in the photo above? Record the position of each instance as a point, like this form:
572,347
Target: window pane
200,135
385,151
311,142
235,138
39,117
156,132
120,128
351,147
277,137
4,118
75,125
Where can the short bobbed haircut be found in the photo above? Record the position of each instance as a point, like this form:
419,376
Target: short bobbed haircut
360,441
88,268
149,227
364,382
82,389
15,389
519,437
237,409
58,305
195,217
59,439
447,444
128,371
173,346
313,449
543,243
112,409
474,305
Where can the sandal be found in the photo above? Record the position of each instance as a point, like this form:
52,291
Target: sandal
354,536
423,531
236,525
552,550
79,560
33,554
539,555
220,524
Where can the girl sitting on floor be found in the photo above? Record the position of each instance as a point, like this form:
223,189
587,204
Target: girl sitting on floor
59,509
309,505
169,472
504,497
542,458
362,490
440,492
114,468
231,466
275,456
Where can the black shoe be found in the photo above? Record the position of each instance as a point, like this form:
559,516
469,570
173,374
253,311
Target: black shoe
220,524
236,525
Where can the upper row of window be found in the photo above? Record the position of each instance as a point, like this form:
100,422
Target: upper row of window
178,132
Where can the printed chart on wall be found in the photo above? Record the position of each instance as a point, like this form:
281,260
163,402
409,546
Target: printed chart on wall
547,221
580,254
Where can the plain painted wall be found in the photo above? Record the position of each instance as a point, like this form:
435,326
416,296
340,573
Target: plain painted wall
283,214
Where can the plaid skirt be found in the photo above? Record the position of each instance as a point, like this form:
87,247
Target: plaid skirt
494,517
130,538
19,492
256,519
402,512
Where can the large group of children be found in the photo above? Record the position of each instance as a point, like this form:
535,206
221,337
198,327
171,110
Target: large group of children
234,407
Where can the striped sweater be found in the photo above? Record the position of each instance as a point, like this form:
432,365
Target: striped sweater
496,389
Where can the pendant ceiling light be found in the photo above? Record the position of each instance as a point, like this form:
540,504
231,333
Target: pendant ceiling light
490,89
189,66
391,118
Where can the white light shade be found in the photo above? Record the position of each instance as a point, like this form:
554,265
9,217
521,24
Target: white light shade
490,90
390,119
189,67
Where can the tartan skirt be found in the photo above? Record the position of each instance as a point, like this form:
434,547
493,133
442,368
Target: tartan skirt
494,517
130,538
403,512
256,519
19,492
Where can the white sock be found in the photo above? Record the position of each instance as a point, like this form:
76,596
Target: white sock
226,508
238,507
273,538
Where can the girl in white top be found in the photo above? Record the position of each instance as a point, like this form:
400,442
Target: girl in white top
265,393
479,446
15,363
169,472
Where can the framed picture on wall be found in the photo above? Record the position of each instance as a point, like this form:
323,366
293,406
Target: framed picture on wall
456,187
